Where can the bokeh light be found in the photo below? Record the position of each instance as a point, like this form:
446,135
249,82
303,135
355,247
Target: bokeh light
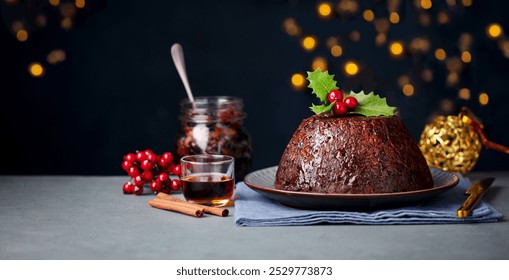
308,43
368,15
324,10
426,4
54,2
396,48
22,35
494,31
484,99
394,18
351,68
408,90
80,4
319,62
298,81
36,69
336,51
466,56
464,93
440,54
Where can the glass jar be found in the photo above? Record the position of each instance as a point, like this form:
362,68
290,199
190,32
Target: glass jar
214,125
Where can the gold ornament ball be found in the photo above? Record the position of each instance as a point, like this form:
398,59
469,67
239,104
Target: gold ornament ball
450,144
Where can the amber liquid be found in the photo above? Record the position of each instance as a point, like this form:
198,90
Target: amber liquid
214,189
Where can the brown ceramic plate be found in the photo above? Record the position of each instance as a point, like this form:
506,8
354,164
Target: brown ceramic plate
262,181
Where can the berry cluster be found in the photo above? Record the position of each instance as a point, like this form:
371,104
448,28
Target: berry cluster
146,167
342,106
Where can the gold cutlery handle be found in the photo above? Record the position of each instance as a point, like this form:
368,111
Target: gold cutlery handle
468,205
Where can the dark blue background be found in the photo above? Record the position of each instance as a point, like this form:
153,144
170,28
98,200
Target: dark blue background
118,90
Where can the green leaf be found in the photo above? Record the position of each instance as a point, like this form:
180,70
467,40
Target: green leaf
318,109
371,105
321,83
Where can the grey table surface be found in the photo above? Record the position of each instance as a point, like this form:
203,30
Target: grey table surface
88,217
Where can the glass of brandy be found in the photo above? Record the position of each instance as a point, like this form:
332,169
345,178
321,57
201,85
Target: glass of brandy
208,179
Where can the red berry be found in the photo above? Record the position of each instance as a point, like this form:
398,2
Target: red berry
128,188
147,175
168,157
163,177
130,157
175,185
138,190
139,181
141,156
335,95
152,157
164,162
351,102
133,171
155,185
146,165
126,165
149,151
176,170
339,109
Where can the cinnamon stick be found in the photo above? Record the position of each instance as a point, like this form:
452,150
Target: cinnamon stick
221,212
175,206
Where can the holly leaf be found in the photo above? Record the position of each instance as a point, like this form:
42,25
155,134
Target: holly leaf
371,105
321,83
318,109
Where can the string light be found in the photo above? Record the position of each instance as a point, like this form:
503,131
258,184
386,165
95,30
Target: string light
494,31
396,48
484,99
36,69
466,56
368,15
298,81
426,4
319,62
308,43
466,3
408,90
80,4
54,2
336,51
291,27
324,10
22,35
394,18
464,93
351,68
56,56
440,54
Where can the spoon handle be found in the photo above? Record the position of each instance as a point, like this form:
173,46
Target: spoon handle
177,54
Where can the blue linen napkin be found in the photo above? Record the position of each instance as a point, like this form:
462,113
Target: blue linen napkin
255,210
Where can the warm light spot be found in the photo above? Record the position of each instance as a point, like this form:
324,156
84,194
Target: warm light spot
494,30
440,54
331,42
408,90
308,43
394,18
351,68
466,3
443,17
336,51
324,10
403,80
464,93
35,69
447,105
54,2
10,2
56,56
22,35
484,99
466,56
319,62
298,81
427,75
368,15
380,39
452,79
41,20
424,19
80,4
66,23
355,36
426,4
291,27
382,25
396,48
451,2
17,25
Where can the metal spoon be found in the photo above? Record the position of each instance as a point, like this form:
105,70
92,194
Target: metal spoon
177,53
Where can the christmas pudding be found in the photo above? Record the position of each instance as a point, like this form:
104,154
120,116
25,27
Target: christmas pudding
356,147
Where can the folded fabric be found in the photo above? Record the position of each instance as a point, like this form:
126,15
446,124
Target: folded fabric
255,210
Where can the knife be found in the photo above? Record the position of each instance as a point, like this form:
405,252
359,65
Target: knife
475,192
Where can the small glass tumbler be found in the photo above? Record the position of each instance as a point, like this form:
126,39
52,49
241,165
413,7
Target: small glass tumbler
208,179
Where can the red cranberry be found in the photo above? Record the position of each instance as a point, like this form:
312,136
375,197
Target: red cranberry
176,170
146,165
163,177
175,185
139,181
126,165
141,156
351,102
128,188
138,190
133,171
335,95
155,185
339,109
